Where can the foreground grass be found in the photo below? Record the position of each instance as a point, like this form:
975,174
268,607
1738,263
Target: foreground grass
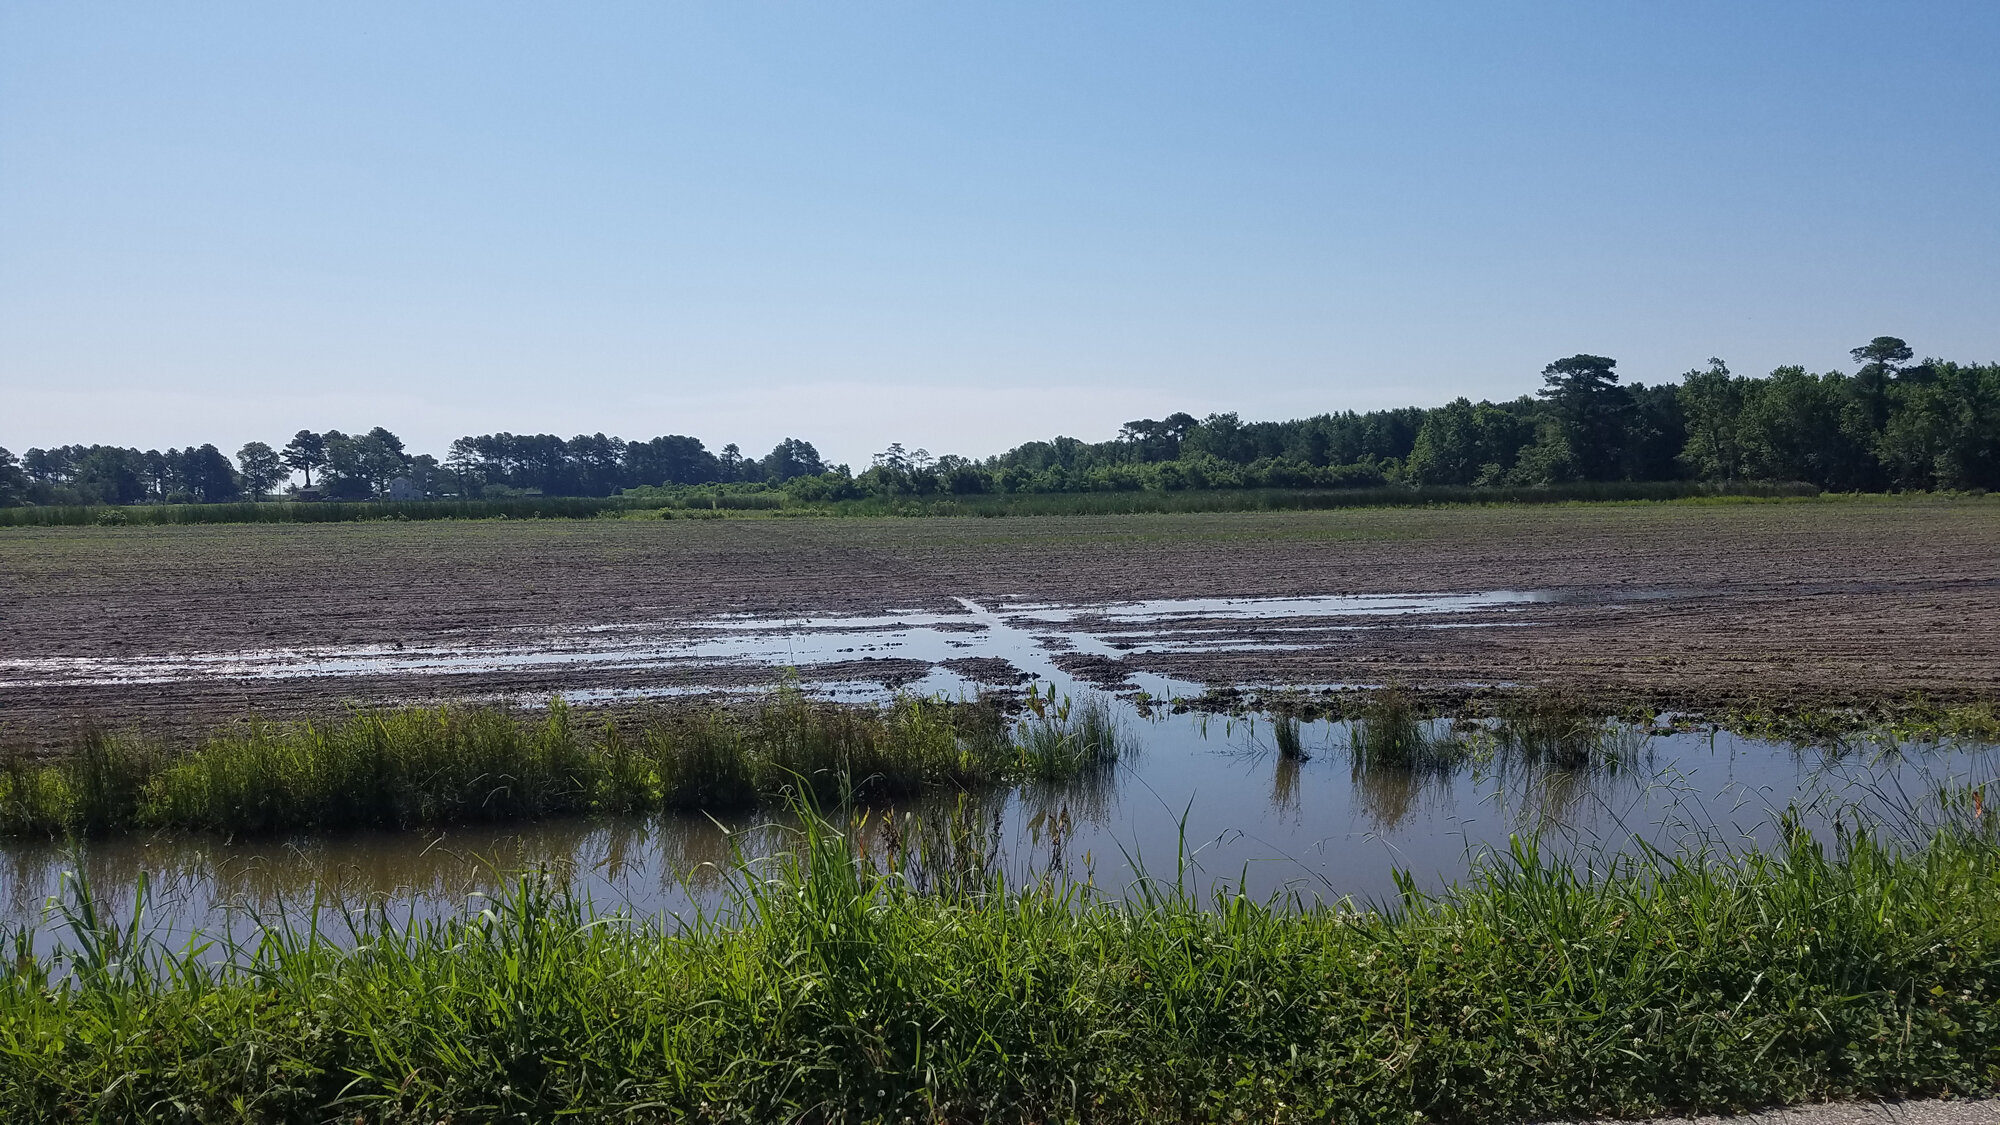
835,992
403,767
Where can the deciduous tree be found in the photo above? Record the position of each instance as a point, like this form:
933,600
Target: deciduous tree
260,467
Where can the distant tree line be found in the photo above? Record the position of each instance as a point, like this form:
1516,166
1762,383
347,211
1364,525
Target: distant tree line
376,465
1895,423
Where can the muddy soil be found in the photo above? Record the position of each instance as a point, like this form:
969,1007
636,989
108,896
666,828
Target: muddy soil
1813,603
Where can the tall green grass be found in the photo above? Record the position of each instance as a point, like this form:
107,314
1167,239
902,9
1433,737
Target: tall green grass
1289,734
1391,731
410,766
1390,727
833,989
1399,750
1067,738
1551,727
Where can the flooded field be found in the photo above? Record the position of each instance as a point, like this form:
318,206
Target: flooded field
1206,799
1118,720
1681,607
1013,641
156,629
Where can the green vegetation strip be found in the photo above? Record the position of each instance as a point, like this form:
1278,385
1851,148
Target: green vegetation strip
714,502
837,992
335,511
1392,726
412,766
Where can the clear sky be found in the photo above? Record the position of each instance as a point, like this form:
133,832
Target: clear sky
959,225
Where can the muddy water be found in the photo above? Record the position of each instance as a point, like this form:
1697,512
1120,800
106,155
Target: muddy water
1209,799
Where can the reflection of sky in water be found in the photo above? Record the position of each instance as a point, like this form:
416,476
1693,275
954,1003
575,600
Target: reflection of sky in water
1319,828
1023,635
1164,610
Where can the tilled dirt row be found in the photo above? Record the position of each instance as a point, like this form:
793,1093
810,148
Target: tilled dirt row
1826,603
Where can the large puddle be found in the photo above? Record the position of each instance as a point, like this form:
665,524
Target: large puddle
1204,799
1027,638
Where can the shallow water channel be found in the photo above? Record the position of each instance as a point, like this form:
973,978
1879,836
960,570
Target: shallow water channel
1205,799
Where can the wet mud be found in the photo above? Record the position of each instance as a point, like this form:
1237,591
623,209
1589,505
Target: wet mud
1805,604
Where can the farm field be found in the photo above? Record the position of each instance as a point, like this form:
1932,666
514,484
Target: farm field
1827,602
1154,907
1076,565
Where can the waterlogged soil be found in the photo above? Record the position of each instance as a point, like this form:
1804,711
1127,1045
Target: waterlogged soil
1827,603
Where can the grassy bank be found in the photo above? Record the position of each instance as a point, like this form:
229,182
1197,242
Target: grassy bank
404,767
836,992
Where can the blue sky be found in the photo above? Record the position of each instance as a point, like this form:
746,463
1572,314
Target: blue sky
959,226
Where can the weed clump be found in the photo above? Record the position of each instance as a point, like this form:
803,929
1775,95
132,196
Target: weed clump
951,850
1286,731
1391,732
1067,739
1550,727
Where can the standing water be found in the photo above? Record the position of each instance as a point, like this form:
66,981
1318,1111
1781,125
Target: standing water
1206,801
